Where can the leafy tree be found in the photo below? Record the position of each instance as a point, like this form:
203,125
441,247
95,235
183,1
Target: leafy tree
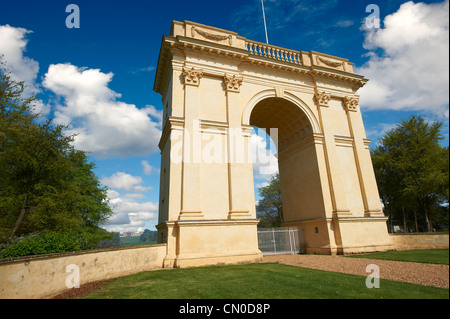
269,209
412,173
148,235
45,184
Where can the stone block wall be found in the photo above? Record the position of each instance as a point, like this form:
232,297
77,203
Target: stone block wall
46,275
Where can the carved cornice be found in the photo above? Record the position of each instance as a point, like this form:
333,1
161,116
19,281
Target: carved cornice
218,49
233,83
322,98
351,103
192,76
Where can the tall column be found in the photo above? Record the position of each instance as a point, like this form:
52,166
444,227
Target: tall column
191,199
239,167
339,202
366,175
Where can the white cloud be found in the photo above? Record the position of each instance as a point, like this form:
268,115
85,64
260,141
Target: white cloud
124,205
105,126
124,181
409,60
264,184
131,215
132,211
144,69
147,167
135,195
265,163
344,23
13,44
112,194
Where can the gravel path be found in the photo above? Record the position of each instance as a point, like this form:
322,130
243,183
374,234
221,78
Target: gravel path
416,273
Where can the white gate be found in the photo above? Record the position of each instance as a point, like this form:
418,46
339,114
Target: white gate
283,240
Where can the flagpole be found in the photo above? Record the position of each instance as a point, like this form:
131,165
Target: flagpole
264,17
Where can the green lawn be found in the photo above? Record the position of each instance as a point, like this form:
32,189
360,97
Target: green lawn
432,256
257,281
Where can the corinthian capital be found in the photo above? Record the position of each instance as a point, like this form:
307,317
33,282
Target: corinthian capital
351,103
192,76
322,98
233,83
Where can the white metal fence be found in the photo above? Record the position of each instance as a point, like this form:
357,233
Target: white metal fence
283,240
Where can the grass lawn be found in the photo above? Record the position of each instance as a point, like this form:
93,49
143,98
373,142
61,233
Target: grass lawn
256,281
432,256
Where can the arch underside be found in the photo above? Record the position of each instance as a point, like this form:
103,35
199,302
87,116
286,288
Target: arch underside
290,122
300,183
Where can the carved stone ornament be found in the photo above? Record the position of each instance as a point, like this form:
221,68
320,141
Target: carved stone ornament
233,83
192,76
327,62
322,98
351,103
211,36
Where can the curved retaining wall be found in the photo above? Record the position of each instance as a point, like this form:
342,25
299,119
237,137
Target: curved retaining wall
46,275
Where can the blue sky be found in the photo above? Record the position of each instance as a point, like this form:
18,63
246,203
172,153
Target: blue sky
99,78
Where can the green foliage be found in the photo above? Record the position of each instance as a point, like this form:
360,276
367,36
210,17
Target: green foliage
269,209
45,184
53,242
149,236
412,174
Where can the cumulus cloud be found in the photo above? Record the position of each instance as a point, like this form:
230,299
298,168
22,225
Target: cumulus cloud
147,167
265,163
409,60
13,43
103,124
131,215
124,181
132,211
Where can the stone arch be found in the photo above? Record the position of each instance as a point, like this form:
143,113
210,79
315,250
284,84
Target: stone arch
298,152
207,208
271,93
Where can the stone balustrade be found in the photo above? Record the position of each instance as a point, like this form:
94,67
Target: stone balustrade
273,52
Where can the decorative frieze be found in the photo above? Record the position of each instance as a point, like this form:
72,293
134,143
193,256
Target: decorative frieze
192,76
322,98
233,83
211,36
333,64
351,103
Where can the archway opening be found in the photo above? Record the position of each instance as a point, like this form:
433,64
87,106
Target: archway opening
291,138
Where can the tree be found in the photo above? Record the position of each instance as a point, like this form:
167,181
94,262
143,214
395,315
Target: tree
148,236
45,184
412,173
269,209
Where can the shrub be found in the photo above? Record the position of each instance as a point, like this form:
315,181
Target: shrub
53,242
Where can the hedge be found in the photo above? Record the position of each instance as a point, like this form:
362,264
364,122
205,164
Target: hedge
53,242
